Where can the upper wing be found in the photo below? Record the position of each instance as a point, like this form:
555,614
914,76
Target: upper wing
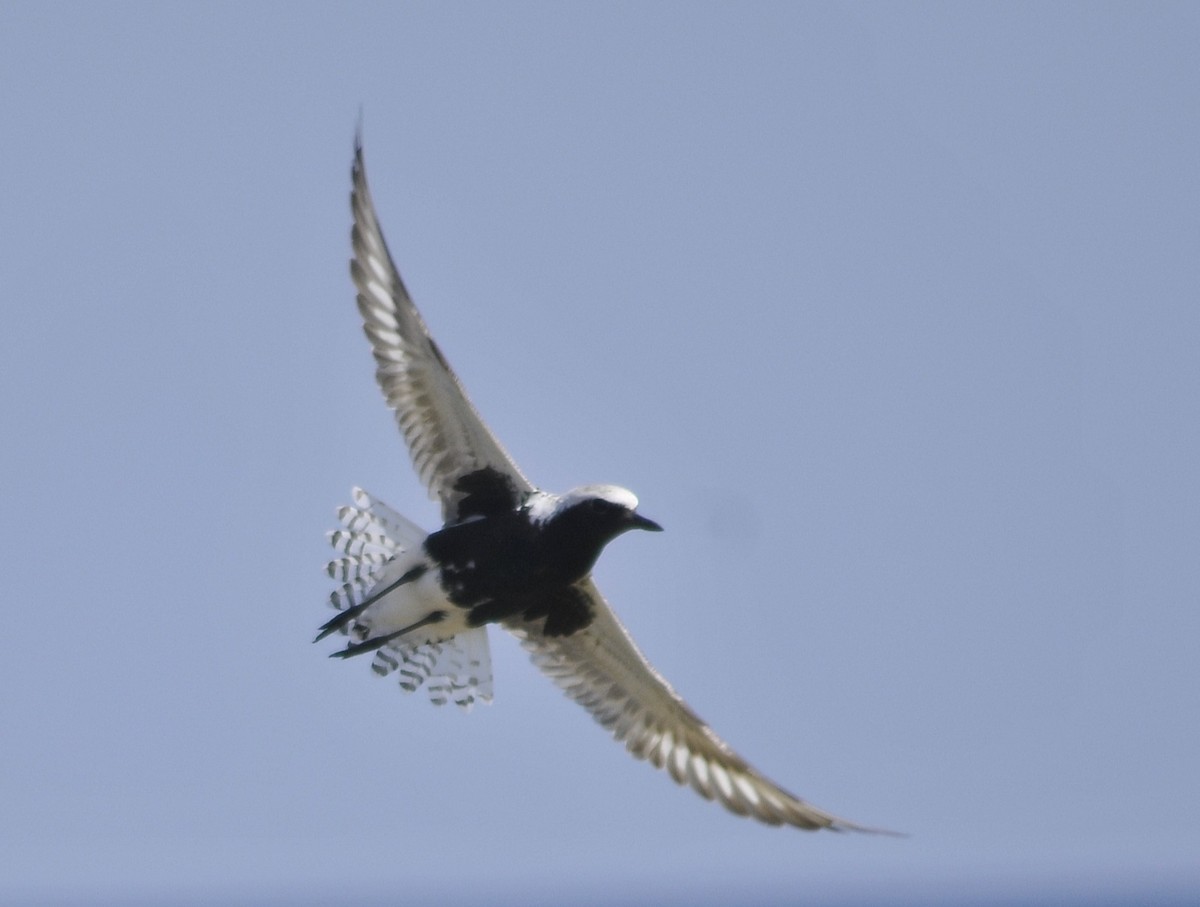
601,669
445,436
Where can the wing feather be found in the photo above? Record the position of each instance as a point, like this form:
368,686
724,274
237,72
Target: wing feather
602,669
445,436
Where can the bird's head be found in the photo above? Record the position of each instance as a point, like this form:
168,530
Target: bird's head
578,524
607,509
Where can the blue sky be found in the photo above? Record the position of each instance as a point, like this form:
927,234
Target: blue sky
889,313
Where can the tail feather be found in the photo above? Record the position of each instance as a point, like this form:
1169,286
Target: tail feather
350,595
352,569
457,669
359,544
403,530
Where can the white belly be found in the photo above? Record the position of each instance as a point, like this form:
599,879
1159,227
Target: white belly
412,602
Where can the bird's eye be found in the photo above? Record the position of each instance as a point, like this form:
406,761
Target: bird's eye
598,505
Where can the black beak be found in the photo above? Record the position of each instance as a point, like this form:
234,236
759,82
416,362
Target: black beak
637,521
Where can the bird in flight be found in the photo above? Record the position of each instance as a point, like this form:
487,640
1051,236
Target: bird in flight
418,604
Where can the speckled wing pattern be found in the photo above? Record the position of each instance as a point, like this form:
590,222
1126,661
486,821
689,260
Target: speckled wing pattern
444,434
602,669
599,667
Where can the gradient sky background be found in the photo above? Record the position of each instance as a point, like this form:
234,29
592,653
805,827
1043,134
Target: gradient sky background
889,313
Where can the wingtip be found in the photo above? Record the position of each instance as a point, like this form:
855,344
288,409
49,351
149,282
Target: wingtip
841,825
358,166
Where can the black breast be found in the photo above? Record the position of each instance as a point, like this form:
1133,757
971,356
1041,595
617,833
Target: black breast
484,558
503,565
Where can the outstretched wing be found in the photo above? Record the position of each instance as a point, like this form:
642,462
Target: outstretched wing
453,452
601,669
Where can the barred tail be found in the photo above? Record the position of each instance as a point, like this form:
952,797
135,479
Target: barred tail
457,669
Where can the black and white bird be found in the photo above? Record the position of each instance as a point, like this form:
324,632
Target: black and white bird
509,554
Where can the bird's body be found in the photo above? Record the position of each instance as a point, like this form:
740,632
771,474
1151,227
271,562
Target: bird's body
508,554
511,557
